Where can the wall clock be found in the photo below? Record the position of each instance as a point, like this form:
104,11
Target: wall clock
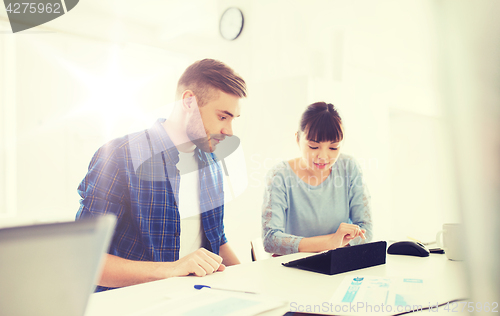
231,23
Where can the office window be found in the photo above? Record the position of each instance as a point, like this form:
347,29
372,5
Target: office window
62,97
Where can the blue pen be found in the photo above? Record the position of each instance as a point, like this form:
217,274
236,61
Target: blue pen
199,287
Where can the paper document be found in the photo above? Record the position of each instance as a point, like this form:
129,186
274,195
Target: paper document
210,302
381,295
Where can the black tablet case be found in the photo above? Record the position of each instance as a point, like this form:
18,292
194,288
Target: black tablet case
343,259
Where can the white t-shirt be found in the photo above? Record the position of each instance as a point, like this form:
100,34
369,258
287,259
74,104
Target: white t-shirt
191,237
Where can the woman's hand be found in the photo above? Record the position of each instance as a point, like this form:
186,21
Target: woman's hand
344,234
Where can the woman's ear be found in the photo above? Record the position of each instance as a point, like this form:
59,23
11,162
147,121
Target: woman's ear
297,137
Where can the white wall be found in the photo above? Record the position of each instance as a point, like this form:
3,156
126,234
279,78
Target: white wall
375,61
8,118
97,71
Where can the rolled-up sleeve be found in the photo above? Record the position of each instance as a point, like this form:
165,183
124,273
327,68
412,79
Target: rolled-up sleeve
102,189
223,238
274,213
359,202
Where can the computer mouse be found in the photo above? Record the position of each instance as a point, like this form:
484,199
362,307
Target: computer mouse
408,248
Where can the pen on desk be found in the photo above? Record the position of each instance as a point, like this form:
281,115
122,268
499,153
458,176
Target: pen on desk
199,287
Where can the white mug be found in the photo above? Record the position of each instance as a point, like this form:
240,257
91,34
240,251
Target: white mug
452,235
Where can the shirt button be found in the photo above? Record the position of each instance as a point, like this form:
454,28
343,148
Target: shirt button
176,234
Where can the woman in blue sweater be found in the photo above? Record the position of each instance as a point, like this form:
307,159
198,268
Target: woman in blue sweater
319,200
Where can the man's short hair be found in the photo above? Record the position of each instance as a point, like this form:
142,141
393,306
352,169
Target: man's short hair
206,76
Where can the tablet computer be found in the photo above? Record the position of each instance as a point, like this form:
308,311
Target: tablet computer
343,259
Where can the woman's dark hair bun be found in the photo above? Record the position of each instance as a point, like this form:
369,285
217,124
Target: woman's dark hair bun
322,123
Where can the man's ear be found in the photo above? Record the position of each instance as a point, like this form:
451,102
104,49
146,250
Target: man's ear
188,100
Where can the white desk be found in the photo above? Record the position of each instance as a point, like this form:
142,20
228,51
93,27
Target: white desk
270,277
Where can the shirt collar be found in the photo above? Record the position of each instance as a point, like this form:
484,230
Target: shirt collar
161,142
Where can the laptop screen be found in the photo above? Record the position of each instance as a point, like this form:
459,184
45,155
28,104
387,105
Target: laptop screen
51,269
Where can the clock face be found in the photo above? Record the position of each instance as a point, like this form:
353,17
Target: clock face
231,23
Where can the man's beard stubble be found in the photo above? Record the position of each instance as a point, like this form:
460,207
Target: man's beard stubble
204,144
198,135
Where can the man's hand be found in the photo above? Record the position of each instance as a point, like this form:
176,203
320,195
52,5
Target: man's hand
120,272
344,234
199,263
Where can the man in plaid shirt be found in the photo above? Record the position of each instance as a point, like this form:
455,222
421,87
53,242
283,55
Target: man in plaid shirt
164,185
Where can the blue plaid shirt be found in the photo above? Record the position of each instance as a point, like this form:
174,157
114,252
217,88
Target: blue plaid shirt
135,178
